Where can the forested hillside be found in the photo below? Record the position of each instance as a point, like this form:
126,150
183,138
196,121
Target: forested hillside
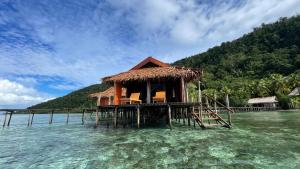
75,99
264,62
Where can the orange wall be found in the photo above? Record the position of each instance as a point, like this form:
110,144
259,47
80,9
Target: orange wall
118,93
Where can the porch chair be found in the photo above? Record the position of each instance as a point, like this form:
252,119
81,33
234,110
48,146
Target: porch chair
134,98
159,97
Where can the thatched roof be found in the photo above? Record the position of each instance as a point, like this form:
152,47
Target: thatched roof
295,92
155,73
262,100
107,93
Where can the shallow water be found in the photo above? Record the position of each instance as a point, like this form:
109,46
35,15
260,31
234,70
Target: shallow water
257,140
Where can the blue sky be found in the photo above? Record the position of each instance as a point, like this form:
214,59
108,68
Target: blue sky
51,47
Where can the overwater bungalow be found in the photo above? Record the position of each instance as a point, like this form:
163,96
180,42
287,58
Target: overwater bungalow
153,90
152,81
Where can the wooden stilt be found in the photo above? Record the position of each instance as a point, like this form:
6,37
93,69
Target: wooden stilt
51,117
9,118
68,115
29,118
4,122
97,118
138,116
115,117
32,118
170,117
188,116
82,117
193,111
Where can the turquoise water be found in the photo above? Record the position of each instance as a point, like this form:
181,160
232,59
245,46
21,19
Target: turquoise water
257,140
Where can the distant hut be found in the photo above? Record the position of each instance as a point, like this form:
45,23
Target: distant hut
263,102
152,80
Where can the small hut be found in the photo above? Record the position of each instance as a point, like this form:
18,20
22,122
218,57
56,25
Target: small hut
263,102
150,78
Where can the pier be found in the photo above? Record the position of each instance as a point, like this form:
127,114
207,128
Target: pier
135,115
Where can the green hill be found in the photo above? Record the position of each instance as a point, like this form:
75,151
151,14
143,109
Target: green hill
75,99
261,63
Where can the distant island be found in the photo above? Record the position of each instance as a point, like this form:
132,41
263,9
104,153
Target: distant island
265,62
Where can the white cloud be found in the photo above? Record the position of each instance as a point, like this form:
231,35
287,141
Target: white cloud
15,95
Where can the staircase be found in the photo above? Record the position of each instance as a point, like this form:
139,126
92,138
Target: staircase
208,118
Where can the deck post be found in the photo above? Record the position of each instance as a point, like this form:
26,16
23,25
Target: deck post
97,117
200,100
68,116
115,117
4,122
82,117
215,101
188,116
138,116
29,112
51,117
9,118
148,92
227,100
32,118
170,117
207,103
183,90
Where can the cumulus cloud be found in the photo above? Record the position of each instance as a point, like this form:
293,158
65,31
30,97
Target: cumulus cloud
15,95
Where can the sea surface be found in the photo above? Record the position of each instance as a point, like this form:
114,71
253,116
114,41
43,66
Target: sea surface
257,140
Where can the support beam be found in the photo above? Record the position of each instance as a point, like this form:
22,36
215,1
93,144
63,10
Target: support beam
68,116
9,118
51,117
183,91
115,117
227,101
215,102
138,116
32,118
97,117
200,100
4,122
82,117
29,118
148,92
169,116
